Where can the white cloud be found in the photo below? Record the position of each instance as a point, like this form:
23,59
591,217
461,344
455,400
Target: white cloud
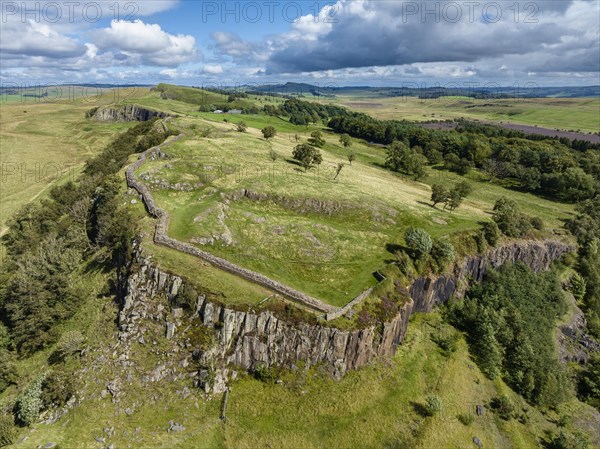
212,69
37,39
146,43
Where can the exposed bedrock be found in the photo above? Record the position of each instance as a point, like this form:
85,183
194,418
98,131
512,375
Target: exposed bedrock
249,339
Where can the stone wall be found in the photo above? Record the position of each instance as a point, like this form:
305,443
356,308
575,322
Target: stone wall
161,237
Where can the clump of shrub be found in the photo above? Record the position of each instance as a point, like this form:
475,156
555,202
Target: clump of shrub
442,253
418,242
503,407
509,219
447,339
8,431
578,287
265,373
537,223
567,440
588,382
466,419
57,388
433,405
491,232
186,297
29,404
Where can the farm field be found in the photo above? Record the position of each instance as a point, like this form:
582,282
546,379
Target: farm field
581,114
45,142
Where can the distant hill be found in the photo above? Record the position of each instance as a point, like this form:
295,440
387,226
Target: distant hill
329,89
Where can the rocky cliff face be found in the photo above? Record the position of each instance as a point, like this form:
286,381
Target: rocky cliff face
428,292
250,339
127,113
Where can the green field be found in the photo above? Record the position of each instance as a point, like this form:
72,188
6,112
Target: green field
321,236
581,114
42,143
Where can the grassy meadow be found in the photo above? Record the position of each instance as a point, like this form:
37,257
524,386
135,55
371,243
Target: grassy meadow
45,142
330,250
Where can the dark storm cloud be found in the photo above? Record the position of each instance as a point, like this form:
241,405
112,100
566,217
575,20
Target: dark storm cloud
384,34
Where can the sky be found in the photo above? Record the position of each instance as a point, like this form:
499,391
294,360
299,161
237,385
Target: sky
348,42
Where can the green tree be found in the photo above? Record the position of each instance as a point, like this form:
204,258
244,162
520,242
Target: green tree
418,242
487,348
345,140
268,132
588,382
442,253
351,156
401,159
241,127
491,232
508,218
307,155
316,139
439,194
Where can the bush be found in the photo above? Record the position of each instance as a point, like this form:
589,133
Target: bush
442,253
433,405
466,418
70,343
578,287
29,404
588,382
537,223
241,127
446,339
265,374
8,431
57,388
564,440
8,371
418,242
269,132
186,297
503,407
509,220
491,232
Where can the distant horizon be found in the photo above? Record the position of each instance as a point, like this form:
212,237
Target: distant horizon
326,85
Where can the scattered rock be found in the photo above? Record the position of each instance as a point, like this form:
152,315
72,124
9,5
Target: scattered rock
175,427
480,410
170,330
477,442
50,445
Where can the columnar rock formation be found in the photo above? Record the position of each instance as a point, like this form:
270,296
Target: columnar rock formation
127,113
248,339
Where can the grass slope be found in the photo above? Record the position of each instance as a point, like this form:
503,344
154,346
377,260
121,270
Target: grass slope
378,406
330,250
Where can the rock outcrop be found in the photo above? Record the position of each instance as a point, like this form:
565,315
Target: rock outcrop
428,292
126,113
250,339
